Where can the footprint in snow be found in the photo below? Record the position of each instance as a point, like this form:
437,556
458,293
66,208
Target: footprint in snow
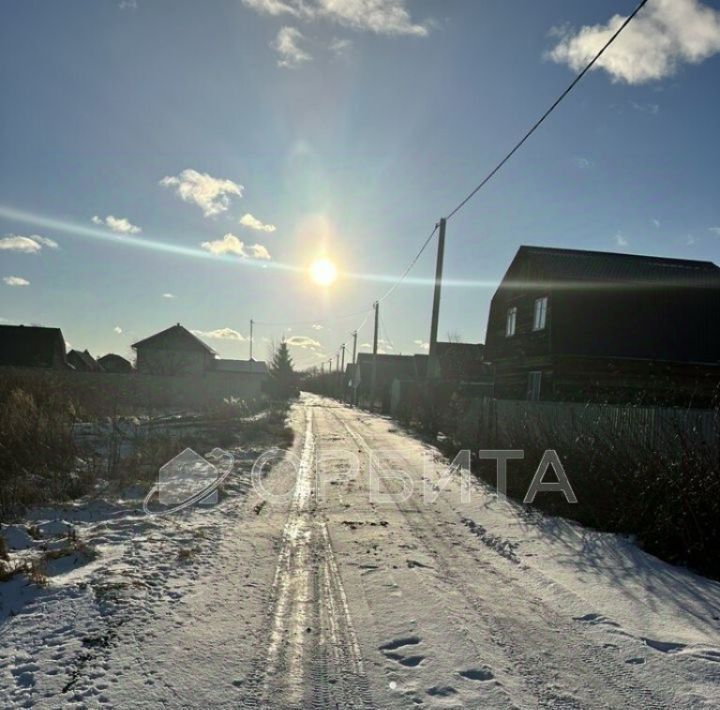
479,674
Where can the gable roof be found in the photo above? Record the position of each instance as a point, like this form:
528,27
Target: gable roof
174,338
30,346
84,361
253,366
567,267
115,363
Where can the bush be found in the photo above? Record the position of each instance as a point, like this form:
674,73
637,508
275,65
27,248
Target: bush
667,494
37,451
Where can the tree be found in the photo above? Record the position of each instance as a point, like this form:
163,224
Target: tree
283,378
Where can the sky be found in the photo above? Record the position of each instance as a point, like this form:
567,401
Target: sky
167,161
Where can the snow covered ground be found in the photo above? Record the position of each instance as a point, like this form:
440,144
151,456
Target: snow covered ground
331,597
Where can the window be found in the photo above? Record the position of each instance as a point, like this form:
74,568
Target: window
511,321
540,313
533,388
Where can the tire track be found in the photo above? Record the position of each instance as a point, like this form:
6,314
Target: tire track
539,653
313,659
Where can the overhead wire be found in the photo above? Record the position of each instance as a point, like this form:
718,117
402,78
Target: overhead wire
542,118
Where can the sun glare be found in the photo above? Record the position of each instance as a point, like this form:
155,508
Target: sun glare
323,272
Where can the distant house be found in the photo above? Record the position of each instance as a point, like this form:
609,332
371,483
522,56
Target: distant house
32,346
83,361
387,369
459,361
255,367
578,325
115,364
174,351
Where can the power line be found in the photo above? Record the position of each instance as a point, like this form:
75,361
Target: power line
557,101
312,322
410,265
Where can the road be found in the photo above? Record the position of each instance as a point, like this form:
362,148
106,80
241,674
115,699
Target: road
342,591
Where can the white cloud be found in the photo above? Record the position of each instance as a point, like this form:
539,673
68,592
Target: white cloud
317,326
664,35
581,163
117,329
258,251
389,17
230,244
422,344
27,245
302,341
653,109
287,45
621,241
168,295
689,240
656,222
128,4
211,194
247,220
219,334
340,47
715,230
120,225
15,281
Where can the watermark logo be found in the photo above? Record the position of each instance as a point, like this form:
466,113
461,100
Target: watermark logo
386,476
189,478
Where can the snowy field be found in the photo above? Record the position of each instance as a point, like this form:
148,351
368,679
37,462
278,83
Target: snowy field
331,597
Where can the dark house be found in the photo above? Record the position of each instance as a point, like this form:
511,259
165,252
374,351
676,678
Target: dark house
115,364
83,361
570,325
388,368
32,346
174,351
459,361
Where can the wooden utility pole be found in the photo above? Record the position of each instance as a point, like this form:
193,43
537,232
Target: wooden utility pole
436,297
251,337
342,359
373,377
354,335
337,361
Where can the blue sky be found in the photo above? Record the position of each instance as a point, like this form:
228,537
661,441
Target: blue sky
350,126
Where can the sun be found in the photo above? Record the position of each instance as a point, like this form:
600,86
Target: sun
323,272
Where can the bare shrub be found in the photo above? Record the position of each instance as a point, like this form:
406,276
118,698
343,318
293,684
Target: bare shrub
37,451
665,492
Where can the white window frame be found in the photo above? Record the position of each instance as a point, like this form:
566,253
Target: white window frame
534,385
511,322
540,313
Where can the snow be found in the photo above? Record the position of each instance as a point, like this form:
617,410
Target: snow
327,597
16,537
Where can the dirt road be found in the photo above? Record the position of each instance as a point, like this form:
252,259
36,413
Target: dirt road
351,585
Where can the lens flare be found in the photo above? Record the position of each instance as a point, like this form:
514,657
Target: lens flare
323,272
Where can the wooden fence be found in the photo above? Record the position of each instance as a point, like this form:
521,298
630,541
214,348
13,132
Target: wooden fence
499,423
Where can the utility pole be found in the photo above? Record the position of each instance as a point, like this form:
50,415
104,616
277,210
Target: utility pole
436,297
373,378
251,337
438,287
337,361
354,335
342,373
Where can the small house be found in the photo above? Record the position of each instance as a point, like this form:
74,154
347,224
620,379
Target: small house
572,325
83,361
115,364
32,346
174,351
